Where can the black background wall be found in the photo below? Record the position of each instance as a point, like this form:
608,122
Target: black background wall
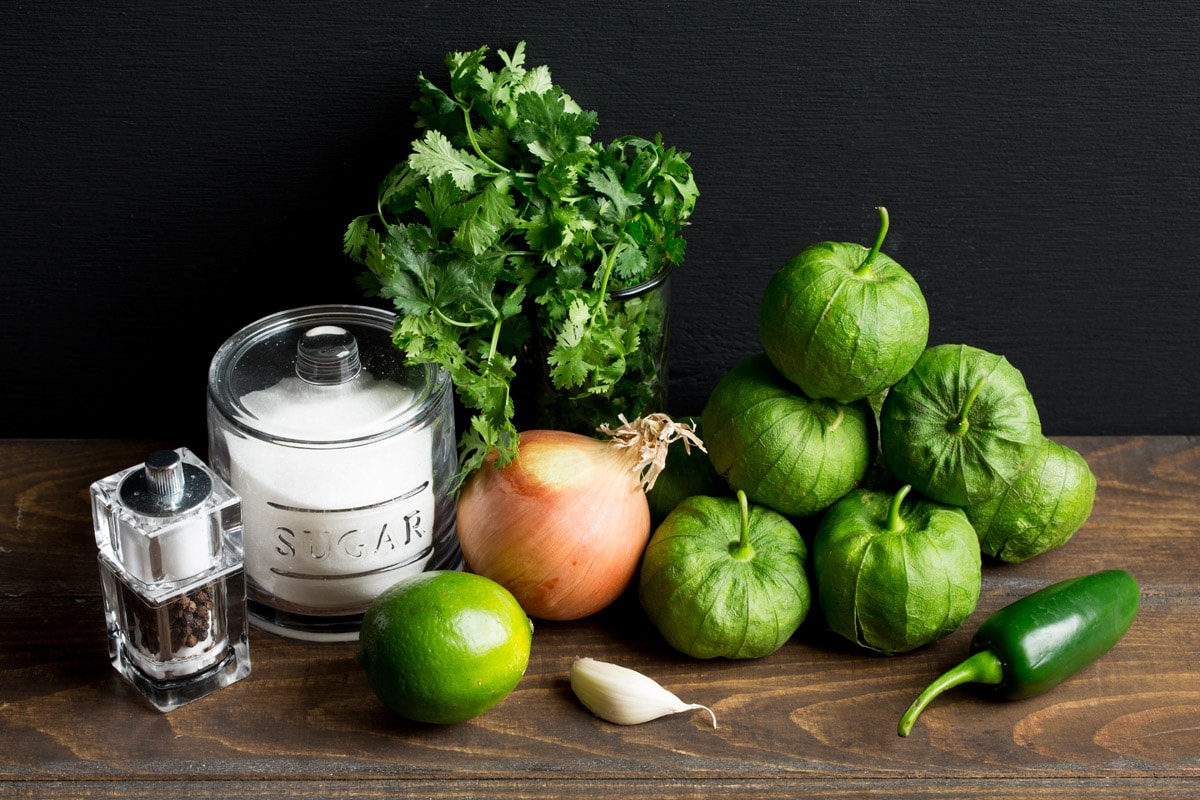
171,173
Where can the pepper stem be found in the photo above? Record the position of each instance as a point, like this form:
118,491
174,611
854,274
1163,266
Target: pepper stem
983,667
894,523
742,548
960,422
883,229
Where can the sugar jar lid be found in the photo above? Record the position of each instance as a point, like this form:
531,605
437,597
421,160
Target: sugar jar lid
321,375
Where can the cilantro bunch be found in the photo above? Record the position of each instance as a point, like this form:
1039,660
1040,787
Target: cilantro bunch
508,224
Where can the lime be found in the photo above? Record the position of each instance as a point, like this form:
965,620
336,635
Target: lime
1041,510
843,322
722,578
788,452
444,646
895,572
961,426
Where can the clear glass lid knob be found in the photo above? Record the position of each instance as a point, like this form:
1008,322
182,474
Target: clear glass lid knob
327,355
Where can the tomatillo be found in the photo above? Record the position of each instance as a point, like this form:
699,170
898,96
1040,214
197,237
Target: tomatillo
788,452
895,572
722,578
961,426
1041,510
843,322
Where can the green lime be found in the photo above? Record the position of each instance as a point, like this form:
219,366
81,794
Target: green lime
722,578
444,646
895,572
687,473
961,426
786,451
1041,510
843,322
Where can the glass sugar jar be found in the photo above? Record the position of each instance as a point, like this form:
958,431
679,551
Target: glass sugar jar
344,457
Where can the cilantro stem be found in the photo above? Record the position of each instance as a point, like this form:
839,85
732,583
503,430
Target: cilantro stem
495,341
475,143
610,258
457,323
501,169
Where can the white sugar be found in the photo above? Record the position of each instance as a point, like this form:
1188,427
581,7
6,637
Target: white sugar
329,527
295,409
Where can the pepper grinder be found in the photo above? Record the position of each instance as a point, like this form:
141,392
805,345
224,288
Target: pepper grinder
169,533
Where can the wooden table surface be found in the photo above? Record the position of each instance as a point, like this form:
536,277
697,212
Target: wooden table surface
816,717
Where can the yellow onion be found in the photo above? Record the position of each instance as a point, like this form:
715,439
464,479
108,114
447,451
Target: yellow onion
563,526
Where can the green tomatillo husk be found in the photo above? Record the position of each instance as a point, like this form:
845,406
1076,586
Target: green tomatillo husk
686,473
961,426
843,321
724,578
1042,509
895,572
788,452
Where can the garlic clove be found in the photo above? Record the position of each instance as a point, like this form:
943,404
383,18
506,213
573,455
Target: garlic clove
624,696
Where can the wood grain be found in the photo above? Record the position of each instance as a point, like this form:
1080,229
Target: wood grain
816,717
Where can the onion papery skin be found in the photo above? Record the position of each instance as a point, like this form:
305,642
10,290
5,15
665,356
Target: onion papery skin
562,527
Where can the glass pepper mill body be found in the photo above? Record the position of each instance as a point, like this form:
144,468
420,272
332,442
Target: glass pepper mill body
171,565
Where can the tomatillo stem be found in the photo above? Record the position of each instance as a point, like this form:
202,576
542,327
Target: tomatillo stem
894,523
960,422
983,667
742,548
883,229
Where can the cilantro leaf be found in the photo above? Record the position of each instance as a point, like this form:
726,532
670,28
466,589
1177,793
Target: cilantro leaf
436,109
630,264
536,80
485,217
439,200
354,240
548,129
569,357
515,61
435,156
464,69
606,183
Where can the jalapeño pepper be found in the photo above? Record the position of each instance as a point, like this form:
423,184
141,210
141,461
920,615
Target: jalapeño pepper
1041,640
